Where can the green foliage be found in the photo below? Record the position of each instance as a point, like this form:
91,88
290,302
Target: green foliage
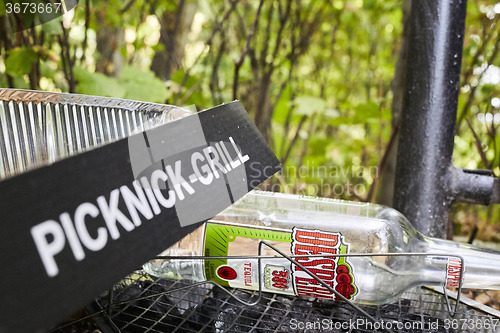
20,60
133,83
142,85
282,107
361,114
53,27
2,8
308,105
90,83
180,77
319,80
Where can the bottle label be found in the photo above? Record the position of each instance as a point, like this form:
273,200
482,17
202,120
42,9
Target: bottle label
334,271
453,272
279,275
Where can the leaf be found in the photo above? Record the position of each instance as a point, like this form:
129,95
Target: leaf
196,98
143,85
19,61
488,89
317,145
331,113
158,47
363,113
97,84
366,111
369,4
178,76
308,105
282,107
21,83
47,71
340,121
2,8
53,27
3,80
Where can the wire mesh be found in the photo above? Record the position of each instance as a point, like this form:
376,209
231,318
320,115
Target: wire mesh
142,303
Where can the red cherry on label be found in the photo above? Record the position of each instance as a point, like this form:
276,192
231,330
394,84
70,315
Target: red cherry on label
343,278
226,273
342,269
345,289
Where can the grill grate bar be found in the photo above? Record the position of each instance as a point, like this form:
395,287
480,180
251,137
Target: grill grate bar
205,309
39,128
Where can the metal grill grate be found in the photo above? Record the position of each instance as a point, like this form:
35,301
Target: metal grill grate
141,303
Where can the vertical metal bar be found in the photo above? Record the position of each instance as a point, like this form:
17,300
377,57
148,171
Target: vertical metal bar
5,128
429,113
25,135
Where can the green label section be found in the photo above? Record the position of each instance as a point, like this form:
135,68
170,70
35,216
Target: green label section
218,237
343,262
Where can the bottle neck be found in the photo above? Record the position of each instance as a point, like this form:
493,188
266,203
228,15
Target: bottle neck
481,269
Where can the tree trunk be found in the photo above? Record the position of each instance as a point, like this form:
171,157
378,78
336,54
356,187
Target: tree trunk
262,108
109,40
175,26
385,189
6,44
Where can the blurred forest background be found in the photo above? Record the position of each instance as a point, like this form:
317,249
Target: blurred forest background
321,79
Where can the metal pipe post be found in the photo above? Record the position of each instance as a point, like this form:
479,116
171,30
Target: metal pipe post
429,113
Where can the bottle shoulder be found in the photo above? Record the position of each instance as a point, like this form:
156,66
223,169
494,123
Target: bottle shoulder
190,245
372,227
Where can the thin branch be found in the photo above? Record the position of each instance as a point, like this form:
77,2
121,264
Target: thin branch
263,52
492,133
239,63
290,111
486,36
63,59
214,78
209,41
283,183
254,64
479,147
470,98
294,140
6,45
305,143
127,7
382,164
241,23
286,126
87,24
65,55
34,75
283,19
189,93
302,44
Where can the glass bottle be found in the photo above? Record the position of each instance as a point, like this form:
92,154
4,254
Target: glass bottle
304,226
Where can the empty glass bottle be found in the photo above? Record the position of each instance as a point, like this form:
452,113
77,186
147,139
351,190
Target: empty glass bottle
299,225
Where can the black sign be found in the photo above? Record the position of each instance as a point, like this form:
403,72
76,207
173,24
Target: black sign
72,229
